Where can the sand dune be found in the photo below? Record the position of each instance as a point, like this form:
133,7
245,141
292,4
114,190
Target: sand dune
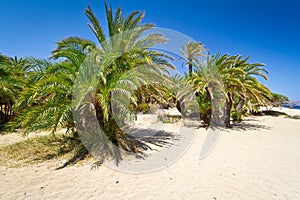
257,159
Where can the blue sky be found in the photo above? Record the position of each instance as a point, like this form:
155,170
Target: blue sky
266,30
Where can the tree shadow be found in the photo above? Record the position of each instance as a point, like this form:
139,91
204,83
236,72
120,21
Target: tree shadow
102,147
79,150
246,124
272,113
249,125
142,138
194,124
244,127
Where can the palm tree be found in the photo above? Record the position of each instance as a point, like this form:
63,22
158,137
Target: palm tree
11,83
238,77
208,88
46,99
231,71
119,65
225,78
192,51
12,73
253,88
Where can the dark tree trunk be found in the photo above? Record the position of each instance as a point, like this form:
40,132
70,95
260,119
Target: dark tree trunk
190,68
228,107
240,104
178,106
206,117
216,109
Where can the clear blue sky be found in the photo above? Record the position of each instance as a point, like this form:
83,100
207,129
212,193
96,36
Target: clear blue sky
266,30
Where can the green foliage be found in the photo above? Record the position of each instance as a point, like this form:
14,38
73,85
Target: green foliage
227,79
279,99
12,75
274,113
192,52
12,71
205,107
45,102
237,116
142,107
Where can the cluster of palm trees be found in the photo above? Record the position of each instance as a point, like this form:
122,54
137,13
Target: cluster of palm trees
229,81
42,90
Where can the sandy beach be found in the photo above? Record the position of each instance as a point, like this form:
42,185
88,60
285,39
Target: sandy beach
256,159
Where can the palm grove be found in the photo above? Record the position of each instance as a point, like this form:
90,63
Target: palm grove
41,90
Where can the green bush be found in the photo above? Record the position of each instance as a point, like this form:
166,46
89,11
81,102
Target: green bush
143,107
237,117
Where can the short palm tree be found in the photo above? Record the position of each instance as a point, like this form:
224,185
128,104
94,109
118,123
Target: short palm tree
12,76
11,82
231,71
209,89
253,88
239,79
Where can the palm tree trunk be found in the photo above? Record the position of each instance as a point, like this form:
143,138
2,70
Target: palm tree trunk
228,107
206,116
178,105
190,68
240,104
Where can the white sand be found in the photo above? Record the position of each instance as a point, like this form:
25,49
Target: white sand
11,138
258,159
288,111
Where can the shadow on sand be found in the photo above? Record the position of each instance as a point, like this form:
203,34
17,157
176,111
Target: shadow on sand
250,124
143,137
243,126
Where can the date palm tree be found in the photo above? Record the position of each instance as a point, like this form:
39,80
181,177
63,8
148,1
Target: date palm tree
46,99
12,77
239,79
253,88
191,52
230,68
120,59
209,90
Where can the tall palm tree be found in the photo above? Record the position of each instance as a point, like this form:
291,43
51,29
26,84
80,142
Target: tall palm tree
192,51
120,60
